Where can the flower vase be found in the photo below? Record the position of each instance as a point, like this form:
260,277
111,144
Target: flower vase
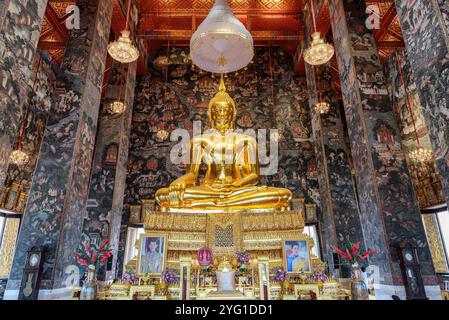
285,285
89,289
359,290
320,286
163,287
242,267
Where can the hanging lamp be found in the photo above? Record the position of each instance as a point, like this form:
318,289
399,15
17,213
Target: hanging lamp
221,44
118,107
420,154
319,52
123,49
321,107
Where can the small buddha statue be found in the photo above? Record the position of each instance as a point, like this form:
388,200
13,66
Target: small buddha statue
232,175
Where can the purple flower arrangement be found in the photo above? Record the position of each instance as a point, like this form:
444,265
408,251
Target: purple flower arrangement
319,276
129,278
280,275
242,257
169,276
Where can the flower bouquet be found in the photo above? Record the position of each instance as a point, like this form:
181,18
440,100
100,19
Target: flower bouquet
169,276
353,255
129,278
242,258
92,257
319,276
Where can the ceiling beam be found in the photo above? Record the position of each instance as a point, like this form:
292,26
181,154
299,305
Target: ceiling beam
386,21
56,23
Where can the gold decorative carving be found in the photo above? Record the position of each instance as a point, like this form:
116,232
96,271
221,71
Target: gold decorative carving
435,243
8,245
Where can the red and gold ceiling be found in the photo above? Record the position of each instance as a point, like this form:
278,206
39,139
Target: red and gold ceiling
172,22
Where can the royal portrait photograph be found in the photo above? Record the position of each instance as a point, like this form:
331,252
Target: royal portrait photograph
296,256
152,254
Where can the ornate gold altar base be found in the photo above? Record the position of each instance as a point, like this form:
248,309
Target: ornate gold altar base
261,232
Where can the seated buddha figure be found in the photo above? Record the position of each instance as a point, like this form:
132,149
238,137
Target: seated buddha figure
230,182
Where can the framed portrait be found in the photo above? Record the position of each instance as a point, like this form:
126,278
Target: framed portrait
152,253
296,256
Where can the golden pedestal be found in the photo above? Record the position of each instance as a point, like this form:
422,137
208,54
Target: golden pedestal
261,232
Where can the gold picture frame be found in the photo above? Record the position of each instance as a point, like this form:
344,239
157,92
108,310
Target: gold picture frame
288,253
157,241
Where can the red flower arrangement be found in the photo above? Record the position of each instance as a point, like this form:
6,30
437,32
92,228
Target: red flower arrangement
352,254
90,256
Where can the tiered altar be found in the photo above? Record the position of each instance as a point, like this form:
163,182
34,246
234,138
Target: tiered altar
225,215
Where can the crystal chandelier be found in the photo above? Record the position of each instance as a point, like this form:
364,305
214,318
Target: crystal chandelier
117,107
319,52
221,44
322,107
162,135
123,50
421,154
18,157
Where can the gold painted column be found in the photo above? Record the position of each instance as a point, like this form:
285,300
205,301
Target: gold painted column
8,245
435,243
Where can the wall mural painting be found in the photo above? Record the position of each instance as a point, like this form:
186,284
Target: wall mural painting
175,94
38,107
19,32
408,111
375,139
63,167
428,49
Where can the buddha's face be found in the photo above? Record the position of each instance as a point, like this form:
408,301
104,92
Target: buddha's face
222,114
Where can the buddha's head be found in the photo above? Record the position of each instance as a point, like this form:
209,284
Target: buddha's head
222,110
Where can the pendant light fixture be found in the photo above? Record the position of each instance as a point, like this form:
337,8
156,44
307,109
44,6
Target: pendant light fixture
321,107
18,156
118,107
420,154
123,49
221,44
319,52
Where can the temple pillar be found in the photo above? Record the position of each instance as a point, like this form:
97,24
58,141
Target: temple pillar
53,216
103,214
20,25
389,212
340,213
425,29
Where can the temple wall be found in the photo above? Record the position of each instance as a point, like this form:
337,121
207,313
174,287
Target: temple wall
163,104
43,81
425,180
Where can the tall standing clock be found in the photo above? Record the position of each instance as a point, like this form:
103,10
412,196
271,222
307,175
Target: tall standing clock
29,288
411,273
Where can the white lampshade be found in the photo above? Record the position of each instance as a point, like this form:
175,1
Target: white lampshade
221,44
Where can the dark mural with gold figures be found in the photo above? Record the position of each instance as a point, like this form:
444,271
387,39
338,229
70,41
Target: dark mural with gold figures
107,187
408,111
424,25
60,183
20,23
177,94
36,113
385,188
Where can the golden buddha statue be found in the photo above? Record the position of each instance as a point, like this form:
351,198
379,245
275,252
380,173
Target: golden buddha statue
230,183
